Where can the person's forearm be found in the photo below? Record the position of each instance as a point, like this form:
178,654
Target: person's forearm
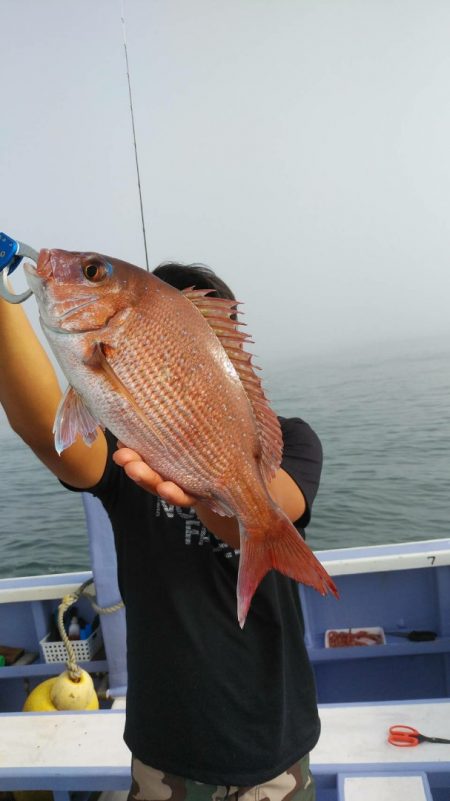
29,389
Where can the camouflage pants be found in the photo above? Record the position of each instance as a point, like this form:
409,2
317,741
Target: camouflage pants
295,784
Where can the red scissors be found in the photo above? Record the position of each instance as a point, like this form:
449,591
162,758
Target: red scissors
407,737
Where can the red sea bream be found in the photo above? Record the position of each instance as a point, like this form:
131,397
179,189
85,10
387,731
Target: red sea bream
167,373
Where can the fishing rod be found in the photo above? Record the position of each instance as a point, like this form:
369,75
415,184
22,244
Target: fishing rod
130,97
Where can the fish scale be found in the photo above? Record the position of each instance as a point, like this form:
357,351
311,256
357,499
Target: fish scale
159,405
168,374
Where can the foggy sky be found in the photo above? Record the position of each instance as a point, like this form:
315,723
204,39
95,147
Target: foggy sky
299,147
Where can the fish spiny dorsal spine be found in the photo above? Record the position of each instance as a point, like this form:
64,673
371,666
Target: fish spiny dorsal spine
218,312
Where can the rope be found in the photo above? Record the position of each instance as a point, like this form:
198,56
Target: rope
72,667
69,600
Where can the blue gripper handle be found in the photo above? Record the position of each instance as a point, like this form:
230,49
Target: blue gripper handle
8,250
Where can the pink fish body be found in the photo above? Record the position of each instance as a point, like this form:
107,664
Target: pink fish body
167,373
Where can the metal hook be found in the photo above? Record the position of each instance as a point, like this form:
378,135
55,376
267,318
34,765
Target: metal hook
11,254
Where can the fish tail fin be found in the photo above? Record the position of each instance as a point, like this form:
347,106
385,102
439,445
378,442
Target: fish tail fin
282,549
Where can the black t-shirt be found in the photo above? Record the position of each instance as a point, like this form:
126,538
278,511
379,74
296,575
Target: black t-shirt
206,700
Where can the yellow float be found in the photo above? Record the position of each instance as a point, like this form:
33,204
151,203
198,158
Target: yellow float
63,693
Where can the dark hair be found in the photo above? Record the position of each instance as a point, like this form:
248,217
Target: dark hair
199,276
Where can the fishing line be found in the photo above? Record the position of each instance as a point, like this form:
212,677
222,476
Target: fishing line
130,96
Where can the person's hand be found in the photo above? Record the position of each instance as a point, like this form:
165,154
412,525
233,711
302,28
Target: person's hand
149,479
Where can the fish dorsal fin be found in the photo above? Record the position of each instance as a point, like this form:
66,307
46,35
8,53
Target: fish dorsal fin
73,418
219,313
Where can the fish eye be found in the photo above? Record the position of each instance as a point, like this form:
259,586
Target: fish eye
96,271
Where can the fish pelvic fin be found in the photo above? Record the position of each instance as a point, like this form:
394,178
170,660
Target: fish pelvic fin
73,418
282,549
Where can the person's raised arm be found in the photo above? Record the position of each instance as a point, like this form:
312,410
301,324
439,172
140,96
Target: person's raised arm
30,394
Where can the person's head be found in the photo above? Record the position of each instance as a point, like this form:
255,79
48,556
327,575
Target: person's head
197,276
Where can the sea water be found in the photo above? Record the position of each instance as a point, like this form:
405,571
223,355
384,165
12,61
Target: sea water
382,414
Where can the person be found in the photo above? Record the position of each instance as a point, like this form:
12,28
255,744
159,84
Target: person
213,711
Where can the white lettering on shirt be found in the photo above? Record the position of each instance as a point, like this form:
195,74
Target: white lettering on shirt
195,532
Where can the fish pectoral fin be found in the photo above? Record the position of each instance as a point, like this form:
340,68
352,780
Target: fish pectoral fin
73,418
98,357
98,360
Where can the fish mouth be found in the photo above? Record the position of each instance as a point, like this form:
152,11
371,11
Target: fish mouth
43,269
53,325
34,280
47,326
74,309
56,324
43,266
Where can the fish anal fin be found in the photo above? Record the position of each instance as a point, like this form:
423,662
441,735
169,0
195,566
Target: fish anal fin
216,506
219,313
73,418
98,360
282,549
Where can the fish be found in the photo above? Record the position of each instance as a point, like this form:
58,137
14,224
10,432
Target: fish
168,373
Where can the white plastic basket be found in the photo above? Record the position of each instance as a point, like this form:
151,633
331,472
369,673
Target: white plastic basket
84,649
